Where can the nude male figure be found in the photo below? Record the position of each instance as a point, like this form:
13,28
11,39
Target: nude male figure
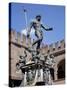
38,26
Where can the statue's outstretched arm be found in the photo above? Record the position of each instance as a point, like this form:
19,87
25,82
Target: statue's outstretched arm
46,28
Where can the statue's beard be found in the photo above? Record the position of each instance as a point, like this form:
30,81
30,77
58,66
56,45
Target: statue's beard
38,20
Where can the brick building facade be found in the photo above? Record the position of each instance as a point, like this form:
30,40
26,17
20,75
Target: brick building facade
16,40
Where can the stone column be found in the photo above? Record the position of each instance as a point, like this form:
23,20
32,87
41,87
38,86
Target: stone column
50,79
55,72
30,74
41,74
25,81
35,79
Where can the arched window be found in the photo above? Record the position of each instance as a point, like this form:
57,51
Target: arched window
61,69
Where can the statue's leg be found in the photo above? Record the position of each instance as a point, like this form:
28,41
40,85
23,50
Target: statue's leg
38,44
39,36
36,41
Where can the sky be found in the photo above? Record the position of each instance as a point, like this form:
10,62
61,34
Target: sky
52,16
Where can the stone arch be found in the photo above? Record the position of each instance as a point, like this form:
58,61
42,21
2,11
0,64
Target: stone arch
61,69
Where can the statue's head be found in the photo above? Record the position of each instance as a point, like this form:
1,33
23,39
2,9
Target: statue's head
38,17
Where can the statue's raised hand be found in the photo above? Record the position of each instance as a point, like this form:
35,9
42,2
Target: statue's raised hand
50,28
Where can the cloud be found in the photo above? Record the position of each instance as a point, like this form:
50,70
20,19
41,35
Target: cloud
24,31
32,33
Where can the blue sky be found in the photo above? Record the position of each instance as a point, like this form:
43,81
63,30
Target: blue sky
53,16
